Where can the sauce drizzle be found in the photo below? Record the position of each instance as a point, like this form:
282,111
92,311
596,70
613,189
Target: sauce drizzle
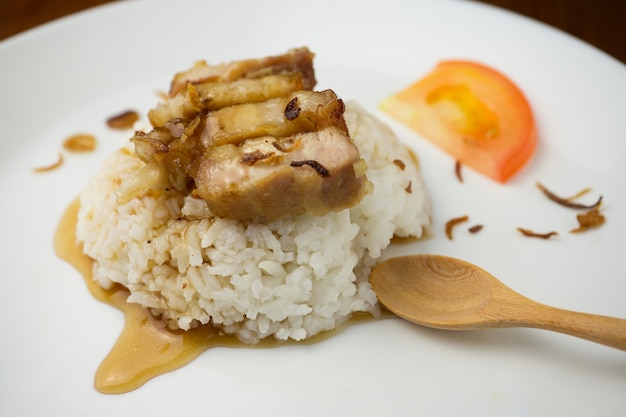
146,348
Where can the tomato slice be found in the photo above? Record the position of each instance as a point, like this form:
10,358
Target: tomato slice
474,113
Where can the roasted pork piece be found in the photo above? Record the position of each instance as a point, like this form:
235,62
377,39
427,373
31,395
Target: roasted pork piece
302,111
255,141
298,60
219,94
309,172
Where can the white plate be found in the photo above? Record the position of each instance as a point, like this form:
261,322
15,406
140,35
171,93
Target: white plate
68,76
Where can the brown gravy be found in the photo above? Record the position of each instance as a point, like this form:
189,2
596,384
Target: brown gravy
146,348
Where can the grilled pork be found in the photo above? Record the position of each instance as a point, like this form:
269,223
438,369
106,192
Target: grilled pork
270,178
254,141
219,94
298,60
302,111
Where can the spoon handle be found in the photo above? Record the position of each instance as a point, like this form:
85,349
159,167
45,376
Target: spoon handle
609,331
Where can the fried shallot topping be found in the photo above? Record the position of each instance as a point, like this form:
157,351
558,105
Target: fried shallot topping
81,142
452,223
579,194
476,228
567,202
241,136
124,120
589,220
457,170
399,164
530,233
317,167
292,110
52,166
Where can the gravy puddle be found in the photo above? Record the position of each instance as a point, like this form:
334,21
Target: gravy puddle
146,348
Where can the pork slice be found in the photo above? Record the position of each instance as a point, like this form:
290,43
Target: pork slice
217,94
295,60
302,111
268,178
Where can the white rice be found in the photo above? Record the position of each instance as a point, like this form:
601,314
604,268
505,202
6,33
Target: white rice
289,279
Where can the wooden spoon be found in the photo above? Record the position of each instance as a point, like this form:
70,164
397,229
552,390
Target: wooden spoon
448,293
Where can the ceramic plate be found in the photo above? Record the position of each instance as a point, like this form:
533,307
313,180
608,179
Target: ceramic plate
69,76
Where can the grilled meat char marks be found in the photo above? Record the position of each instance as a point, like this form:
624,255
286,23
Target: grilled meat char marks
264,146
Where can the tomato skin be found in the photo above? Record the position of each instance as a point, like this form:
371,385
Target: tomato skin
474,113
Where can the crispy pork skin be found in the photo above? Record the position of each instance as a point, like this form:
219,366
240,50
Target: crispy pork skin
295,60
218,94
302,111
255,141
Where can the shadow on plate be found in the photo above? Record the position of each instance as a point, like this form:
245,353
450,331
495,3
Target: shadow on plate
532,344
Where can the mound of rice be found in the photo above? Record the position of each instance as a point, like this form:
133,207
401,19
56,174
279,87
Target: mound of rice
289,279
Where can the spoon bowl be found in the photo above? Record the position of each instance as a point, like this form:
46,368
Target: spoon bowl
448,293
